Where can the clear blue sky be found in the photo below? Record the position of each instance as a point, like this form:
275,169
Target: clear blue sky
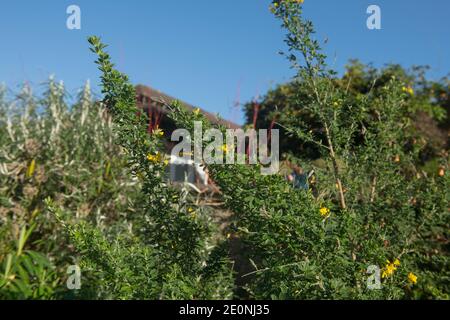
202,51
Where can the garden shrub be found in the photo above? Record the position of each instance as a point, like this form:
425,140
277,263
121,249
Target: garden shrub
171,246
371,203
51,149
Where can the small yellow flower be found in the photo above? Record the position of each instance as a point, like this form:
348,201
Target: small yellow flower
390,268
155,158
190,210
31,169
166,162
412,278
324,211
225,148
408,90
196,111
158,132
335,104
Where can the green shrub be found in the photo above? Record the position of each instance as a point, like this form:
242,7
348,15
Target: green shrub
171,249
370,204
51,149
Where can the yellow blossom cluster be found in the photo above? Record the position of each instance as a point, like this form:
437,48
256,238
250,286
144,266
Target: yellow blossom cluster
324,211
390,268
31,168
412,278
157,158
225,148
408,90
158,132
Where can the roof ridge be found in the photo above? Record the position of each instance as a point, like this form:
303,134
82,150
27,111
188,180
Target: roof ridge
150,93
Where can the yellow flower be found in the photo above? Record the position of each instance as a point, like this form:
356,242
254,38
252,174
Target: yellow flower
196,111
412,278
225,148
31,169
390,268
408,90
158,132
324,211
155,158
190,210
166,162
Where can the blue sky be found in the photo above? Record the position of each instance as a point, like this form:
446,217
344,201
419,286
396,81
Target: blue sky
210,52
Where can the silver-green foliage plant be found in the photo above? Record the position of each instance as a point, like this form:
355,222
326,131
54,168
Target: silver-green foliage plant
52,149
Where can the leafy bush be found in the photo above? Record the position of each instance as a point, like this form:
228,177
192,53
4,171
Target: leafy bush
49,149
172,250
370,204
